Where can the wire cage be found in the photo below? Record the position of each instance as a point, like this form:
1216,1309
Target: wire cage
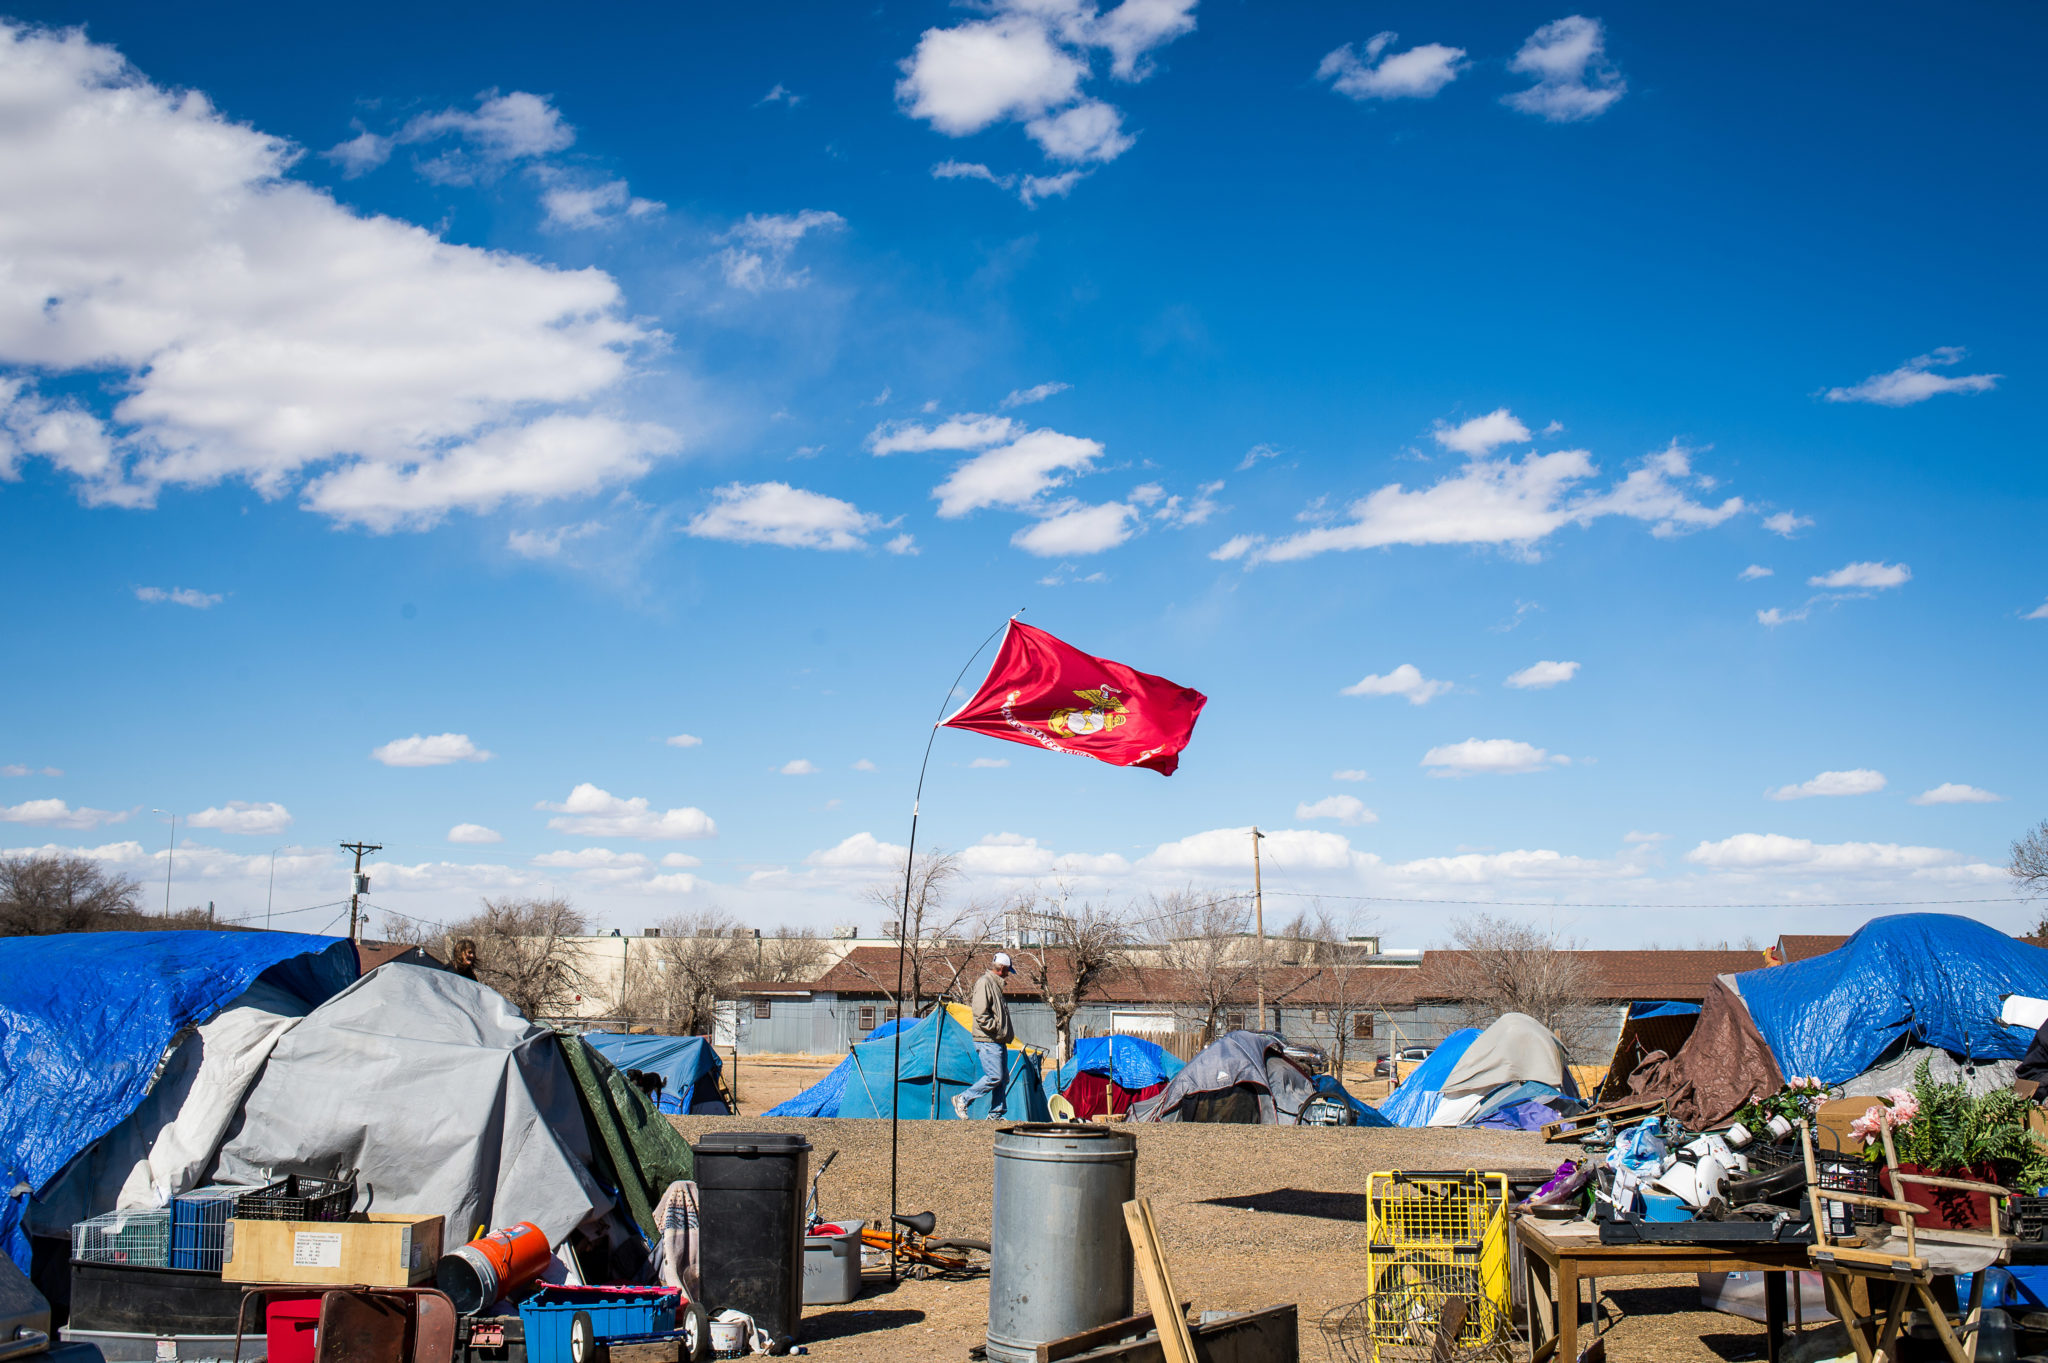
1433,1240
141,1238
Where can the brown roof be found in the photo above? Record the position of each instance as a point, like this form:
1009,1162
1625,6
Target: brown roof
370,955
1613,976
1805,947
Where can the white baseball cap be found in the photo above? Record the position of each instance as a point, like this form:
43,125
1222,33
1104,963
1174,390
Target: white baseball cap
1003,959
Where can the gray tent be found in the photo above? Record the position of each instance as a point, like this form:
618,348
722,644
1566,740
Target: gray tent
1516,1049
1238,1077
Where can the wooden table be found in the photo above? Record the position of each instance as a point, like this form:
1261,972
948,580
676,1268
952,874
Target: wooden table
1557,1263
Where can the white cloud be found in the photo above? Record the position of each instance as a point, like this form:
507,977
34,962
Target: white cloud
2039,612
1482,434
1914,381
241,816
800,766
1033,188
1236,547
180,596
989,763
437,750
781,94
593,813
1345,809
1418,73
1775,617
254,329
1786,523
1508,502
1089,131
1775,851
1016,474
901,545
776,513
584,206
967,431
759,258
591,858
1863,577
684,741
547,544
1406,680
58,814
1574,79
1253,455
1024,397
1859,781
1228,849
474,832
16,769
1076,529
680,860
1753,572
1635,839
1351,774
861,852
359,155
1536,676
864,765
1502,756
501,129
1950,793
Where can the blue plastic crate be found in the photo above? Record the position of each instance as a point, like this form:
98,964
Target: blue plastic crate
199,1222
613,1311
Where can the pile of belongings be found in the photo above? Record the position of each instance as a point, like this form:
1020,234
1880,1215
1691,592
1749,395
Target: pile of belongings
1512,1076
1107,1074
932,1058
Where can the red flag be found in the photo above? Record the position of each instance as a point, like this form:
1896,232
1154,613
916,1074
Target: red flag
1051,694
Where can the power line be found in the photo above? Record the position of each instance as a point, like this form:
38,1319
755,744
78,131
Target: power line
1574,904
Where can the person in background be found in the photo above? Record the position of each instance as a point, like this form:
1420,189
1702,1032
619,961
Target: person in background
992,1036
464,963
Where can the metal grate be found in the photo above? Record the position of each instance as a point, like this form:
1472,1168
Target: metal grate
141,1238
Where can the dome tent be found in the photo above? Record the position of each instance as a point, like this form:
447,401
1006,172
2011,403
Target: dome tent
1107,1074
938,1061
1414,1102
683,1062
1514,1052
1239,1077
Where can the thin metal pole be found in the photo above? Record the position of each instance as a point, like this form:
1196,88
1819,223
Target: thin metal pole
270,895
902,936
170,860
1259,912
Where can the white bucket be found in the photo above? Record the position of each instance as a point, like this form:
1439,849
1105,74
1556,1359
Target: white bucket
728,1338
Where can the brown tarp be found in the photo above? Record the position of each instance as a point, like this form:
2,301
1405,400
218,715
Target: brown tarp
1724,1064
1643,1039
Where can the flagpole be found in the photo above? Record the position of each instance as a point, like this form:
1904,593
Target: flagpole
903,927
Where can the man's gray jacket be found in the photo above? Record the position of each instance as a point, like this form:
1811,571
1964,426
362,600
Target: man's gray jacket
991,1013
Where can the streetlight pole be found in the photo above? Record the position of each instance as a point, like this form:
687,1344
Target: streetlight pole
270,896
170,858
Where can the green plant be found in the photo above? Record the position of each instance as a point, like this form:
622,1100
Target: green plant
1952,1131
1798,1101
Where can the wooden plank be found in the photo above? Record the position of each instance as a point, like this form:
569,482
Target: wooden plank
1082,1341
1178,1347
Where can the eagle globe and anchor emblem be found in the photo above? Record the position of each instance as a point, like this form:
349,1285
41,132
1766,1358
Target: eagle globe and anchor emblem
1105,710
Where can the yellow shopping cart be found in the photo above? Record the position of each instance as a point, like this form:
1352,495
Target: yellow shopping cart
1436,1263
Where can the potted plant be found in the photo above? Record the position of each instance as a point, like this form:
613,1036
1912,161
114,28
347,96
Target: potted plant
1771,1118
1941,1130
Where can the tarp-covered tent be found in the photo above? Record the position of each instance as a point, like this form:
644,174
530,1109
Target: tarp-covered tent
1722,1065
1522,1107
938,1060
1514,1049
1362,1113
1935,978
1239,1077
821,1099
1649,1029
683,1062
86,1018
1415,1101
1109,1073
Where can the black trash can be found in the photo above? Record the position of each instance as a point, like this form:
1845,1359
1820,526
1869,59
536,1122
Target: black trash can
751,1187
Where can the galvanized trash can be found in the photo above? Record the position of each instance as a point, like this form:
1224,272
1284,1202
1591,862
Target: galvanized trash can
1059,1259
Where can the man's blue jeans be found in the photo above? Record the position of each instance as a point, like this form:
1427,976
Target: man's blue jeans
991,1081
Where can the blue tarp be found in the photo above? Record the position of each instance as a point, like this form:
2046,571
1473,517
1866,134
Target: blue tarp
1934,977
1523,1107
1362,1114
1414,1103
1646,1009
85,1017
1128,1061
820,1099
937,1044
681,1061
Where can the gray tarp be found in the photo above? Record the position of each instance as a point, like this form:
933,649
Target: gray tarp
1515,1049
440,1092
1248,1059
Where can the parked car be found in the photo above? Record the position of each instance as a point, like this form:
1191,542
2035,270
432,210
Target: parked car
1383,1066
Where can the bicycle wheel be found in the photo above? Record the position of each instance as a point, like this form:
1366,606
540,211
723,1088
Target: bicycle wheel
957,1258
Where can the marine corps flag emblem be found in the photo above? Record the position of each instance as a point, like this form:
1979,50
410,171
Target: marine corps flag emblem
1052,695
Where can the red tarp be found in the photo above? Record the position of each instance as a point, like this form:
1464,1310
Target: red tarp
1097,1095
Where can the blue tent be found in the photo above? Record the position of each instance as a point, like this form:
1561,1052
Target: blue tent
682,1062
820,1099
1362,1114
85,1017
1934,977
1523,1107
938,1061
1129,1061
1414,1103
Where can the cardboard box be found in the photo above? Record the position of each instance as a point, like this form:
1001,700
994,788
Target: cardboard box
391,1249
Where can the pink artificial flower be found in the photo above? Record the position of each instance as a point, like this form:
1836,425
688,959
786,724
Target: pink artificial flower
1867,1127
1905,1107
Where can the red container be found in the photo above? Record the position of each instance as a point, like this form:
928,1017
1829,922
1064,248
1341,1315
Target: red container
1947,1208
291,1328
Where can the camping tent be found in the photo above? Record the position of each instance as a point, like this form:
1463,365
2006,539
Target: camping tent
1238,1077
1933,978
938,1060
86,1018
1512,1053
1414,1102
683,1062
1723,1064
1109,1073
822,1099
1649,1029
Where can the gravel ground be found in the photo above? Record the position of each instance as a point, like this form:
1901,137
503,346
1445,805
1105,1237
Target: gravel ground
1250,1216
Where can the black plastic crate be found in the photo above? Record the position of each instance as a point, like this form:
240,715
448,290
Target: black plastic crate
2030,1218
298,1198
1847,1174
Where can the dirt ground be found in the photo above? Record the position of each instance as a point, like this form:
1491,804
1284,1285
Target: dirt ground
1250,1217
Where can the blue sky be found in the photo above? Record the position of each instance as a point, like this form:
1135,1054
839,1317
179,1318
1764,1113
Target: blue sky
1586,458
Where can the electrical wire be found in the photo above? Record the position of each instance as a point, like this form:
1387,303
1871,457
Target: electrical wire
1574,904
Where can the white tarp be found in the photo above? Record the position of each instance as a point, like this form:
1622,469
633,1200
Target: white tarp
444,1097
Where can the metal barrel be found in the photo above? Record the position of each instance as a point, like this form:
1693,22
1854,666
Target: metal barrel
1059,1260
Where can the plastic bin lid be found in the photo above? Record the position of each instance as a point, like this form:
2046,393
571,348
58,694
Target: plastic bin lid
751,1143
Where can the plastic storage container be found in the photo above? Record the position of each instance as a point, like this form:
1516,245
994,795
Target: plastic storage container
613,1311
199,1223
298,1198
750,1189
832,1265
291,1328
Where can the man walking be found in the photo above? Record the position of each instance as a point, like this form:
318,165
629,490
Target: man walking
992,1035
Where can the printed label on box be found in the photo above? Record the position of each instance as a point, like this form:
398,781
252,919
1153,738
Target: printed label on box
316,1249
167,1351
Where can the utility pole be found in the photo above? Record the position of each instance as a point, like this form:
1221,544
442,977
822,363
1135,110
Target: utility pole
1259,914
170,858
358,886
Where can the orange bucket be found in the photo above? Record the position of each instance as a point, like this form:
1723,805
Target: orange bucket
492,1266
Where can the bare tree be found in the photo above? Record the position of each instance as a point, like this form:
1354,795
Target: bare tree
1203,940
678,979
47,893
792,956
1067,953
1502,966
523,952
2029,867
936,933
